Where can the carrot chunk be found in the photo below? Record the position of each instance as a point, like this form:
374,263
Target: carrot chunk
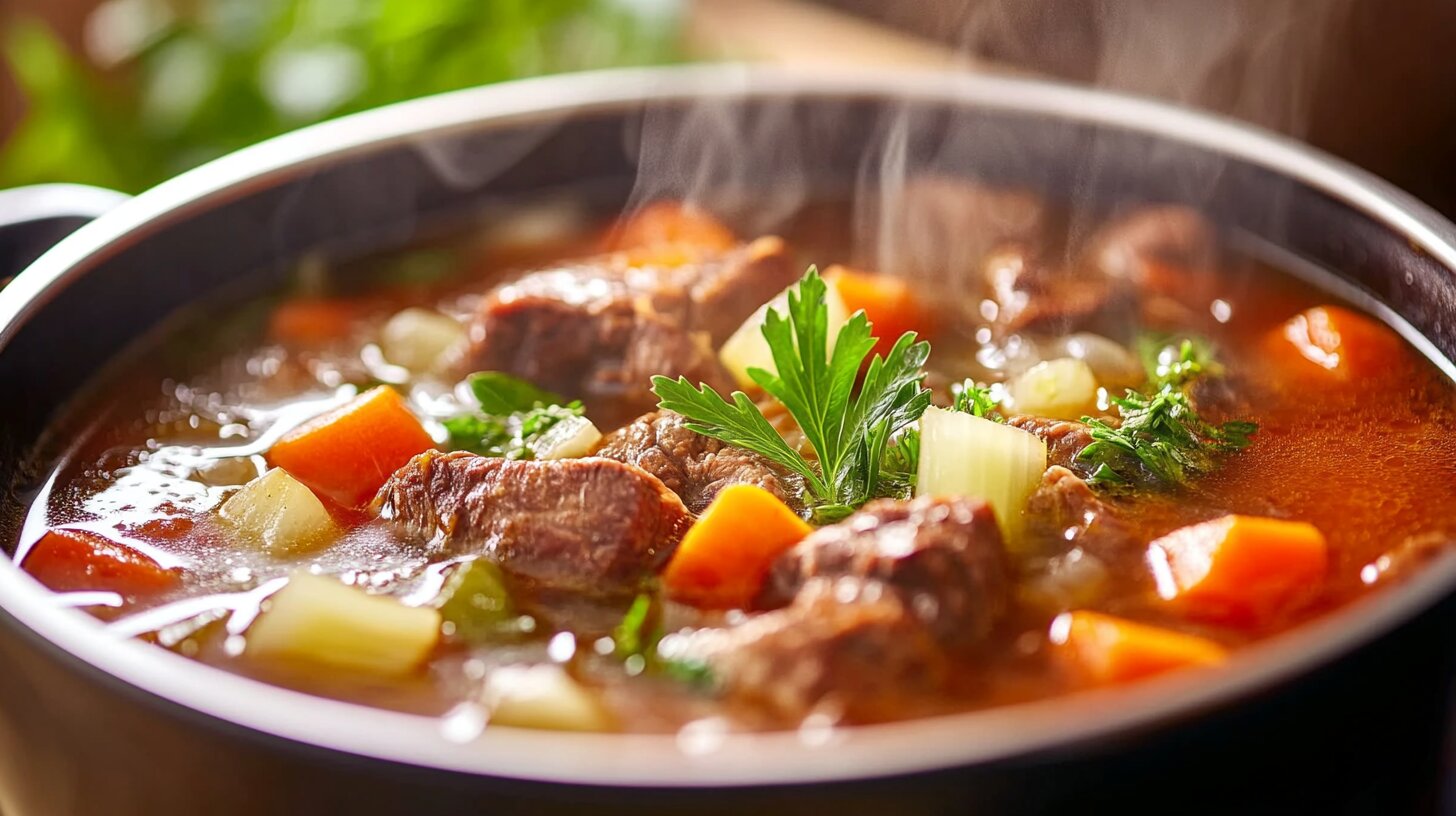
1239,570
68,560
1106,649
889,303
1338,344
308,321
725,556
669,233
347,454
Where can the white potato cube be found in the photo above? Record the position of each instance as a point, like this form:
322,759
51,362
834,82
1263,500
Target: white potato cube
278,513
747,348
543,696
318,620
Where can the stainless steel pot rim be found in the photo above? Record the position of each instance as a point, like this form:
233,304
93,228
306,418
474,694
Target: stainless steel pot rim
702,755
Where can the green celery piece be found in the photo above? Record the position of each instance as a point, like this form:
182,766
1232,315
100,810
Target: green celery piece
476,601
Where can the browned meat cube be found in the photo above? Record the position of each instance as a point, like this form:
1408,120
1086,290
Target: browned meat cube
598,331
693,466
942,557
591,525
862,658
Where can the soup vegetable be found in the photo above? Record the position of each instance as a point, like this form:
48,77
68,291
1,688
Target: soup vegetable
632,477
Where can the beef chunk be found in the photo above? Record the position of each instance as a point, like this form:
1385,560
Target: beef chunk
1064,513
943,558
845,649
590,525
693,466
1032,295
1126,247
1064,438
939,228
599,331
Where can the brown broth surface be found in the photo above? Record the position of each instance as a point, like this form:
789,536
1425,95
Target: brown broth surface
1372,463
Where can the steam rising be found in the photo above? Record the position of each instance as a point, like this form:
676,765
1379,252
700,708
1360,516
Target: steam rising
1255,60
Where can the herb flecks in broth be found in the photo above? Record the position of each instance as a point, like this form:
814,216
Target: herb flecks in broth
1161,435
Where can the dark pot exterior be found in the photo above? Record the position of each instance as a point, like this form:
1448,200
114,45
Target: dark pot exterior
1357,726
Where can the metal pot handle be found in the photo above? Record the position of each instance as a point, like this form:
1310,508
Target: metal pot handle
34,218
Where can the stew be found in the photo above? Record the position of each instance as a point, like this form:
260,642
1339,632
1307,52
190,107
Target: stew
567,474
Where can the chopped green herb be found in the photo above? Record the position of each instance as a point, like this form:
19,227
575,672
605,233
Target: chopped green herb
634,635
515,436
901,465
1161,436
849,432
1169,361
636,639
694,673
975,399
502,394
515,420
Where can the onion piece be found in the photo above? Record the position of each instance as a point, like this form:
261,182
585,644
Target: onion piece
419,339
569,438
1064,388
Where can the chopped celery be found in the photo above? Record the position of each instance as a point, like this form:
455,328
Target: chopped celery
277,512
964,455
475,602
317,619
1064,388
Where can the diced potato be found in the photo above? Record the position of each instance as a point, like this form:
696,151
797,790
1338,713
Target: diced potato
567,439
278,513
964,455
747,348
1064,388
543,696
418,338
317,619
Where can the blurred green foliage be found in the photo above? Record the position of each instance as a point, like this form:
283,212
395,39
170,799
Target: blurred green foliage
169,84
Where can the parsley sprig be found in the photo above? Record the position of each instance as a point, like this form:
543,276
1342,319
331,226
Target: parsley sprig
1161,436
849,431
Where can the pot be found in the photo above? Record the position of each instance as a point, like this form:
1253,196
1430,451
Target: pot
1346,713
